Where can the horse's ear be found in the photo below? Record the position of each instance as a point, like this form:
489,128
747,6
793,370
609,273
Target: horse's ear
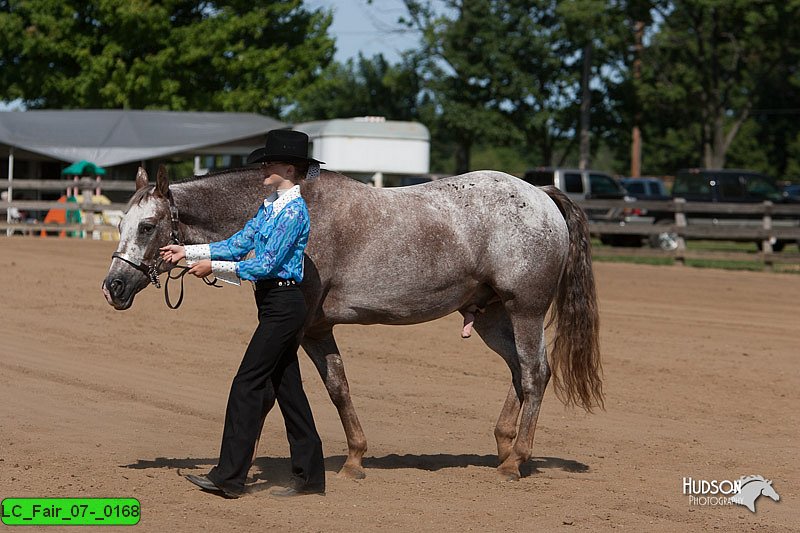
141,178
162,182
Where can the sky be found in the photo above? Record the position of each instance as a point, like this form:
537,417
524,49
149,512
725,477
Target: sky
357,26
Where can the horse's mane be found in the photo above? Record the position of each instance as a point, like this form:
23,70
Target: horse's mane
142,194
145,192
218,174
139,195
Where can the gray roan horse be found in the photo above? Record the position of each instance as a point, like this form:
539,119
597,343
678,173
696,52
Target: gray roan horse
487,244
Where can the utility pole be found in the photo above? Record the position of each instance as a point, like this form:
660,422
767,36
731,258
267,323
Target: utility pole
636,134
584,161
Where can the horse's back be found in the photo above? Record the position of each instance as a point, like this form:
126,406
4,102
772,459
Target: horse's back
510,213
480,215
525,235
409,254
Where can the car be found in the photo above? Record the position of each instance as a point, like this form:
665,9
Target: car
646,188
727,186
792,192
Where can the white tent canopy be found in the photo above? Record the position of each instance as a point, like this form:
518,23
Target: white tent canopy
114,137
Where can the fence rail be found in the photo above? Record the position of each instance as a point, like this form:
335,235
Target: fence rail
681,205
88,186
62,185
731,221
771,259
37,205
761,227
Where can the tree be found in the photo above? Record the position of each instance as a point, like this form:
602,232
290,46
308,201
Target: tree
706,65
171,54
363,87
532,78
457,56
510,71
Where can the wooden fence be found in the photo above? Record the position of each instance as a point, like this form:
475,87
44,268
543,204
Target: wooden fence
757,226
87,186
764,231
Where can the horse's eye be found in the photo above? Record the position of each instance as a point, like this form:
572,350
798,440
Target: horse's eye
146,229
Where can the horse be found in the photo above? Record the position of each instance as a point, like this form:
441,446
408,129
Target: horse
752,487
487,244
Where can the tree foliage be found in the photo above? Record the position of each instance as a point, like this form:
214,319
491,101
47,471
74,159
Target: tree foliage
168,54
458,50
719,84
710,64
508,72
361,87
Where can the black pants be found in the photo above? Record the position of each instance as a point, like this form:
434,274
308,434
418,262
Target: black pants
270,370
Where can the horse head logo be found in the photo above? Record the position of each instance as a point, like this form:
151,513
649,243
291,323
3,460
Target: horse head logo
751,488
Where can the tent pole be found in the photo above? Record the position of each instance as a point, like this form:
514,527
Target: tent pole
9,231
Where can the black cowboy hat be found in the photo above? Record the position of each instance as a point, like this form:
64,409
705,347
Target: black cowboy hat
283,145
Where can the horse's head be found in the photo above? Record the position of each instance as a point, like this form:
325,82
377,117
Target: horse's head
145,227
768,491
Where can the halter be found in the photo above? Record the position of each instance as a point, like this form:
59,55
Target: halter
152,271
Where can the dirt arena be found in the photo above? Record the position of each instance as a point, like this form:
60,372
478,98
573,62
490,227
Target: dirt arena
702,380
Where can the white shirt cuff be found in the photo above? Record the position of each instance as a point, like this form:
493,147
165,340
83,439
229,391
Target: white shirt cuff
225,271
196,252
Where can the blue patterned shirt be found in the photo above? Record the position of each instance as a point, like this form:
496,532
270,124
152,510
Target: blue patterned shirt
278,238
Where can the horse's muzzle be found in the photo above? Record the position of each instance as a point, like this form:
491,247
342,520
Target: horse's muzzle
118,293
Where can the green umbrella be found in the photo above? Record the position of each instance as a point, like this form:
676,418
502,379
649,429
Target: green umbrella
83,168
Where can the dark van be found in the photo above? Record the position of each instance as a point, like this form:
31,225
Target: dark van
704,185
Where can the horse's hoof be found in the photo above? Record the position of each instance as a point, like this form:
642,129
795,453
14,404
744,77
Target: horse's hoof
508,474
352,472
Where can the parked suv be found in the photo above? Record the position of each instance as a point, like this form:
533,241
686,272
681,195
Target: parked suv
731,186
703,185
646,188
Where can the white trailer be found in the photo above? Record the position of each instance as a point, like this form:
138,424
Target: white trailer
371,149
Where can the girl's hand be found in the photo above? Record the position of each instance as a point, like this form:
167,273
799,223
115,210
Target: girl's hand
201,269
172,253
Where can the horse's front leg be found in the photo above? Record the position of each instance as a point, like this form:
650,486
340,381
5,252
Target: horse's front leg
325,355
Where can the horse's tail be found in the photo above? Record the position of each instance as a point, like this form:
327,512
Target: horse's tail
575,352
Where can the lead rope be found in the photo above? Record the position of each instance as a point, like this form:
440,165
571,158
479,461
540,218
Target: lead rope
173,215
184,270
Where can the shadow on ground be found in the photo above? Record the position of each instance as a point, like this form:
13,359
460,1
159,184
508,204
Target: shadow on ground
277,470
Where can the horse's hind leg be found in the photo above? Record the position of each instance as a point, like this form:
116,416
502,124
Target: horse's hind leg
506,429
325,355
494,327
534,375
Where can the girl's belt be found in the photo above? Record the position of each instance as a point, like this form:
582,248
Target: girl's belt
272,283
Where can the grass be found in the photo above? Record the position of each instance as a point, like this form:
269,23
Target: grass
728,265
756,265
634,259
723,246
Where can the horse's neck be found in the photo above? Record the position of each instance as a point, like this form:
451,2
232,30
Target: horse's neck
211,209
214,208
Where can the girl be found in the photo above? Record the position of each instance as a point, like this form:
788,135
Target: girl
269,370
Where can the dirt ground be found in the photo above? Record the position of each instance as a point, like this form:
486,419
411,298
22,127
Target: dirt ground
702,380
